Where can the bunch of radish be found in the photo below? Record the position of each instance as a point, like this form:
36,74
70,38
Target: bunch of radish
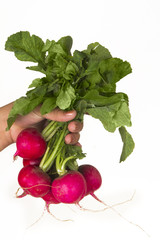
62,182
68,187
84,81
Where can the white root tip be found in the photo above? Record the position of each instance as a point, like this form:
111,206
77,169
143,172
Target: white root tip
21,195
15,156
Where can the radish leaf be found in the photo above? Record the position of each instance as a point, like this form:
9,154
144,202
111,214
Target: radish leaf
112,116
66,96
84,81
128,143
48,105
26,47
113,69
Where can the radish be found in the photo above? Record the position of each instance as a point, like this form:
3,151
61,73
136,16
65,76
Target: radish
49,199
30,144
92,177
34,161
34,181
69,188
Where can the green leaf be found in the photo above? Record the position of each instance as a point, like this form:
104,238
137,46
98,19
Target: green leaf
122,116
47,45
106,88
36,82
98,52
113,69
78,58
65,97
48,105
60,62
101,53
128,143
54,50
66,43
37,68
54,88
71,71
75,151
39,91
94,78
93,97
112,116
104,115
91,47
57,48
80,107
26,47
22,106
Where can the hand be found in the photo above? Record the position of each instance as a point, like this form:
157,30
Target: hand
35,119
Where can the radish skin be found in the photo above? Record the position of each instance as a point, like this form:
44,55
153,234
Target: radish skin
34,181
49,199
30,144
69,188
92,177
34,161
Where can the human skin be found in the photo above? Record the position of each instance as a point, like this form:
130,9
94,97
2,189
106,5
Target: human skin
35,119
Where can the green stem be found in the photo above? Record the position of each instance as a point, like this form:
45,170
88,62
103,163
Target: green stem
46,132
45,155
58,166
73,165
48,163
47,127
62,169
52,134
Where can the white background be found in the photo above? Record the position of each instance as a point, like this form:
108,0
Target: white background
131,31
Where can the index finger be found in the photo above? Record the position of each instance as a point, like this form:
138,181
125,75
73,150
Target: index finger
60,115
57,115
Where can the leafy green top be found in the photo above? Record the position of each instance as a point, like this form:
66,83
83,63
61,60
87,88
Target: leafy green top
85,81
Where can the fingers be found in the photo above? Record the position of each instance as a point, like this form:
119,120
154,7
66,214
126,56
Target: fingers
75,126
56,115
72,138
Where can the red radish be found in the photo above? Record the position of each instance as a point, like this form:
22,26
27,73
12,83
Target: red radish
69,188
92,177
34,181
34,161
30,144
49,199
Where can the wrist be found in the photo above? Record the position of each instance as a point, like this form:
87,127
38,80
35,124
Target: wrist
5,140
5,136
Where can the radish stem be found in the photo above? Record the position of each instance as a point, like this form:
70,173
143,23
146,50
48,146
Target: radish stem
50,160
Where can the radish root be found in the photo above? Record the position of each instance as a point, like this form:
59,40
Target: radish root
37,220
113,209
59,219
21,195
46,208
